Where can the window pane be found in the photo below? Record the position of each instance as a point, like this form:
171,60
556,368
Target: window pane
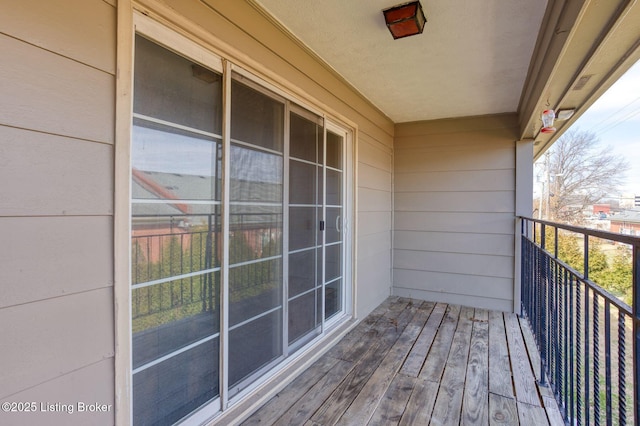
334,150
255,175
306,137
333,298
303,315
166,245
254,289
172,164
302,272
255,232
256,118
170,390
334,188
253,346
334,225
302,183
333,266
171,88
303,226
170,316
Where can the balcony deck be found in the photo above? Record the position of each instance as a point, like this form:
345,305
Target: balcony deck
414,362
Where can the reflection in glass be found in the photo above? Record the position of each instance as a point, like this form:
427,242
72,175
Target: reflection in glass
172,88
306,137
333,264
256,118
254,345
255,238
304,315
176,232
167,317
333,298
302,183
168,391
303,225
334,188
333,228
254,289
255,175
334,150
302,272
174,165
166,245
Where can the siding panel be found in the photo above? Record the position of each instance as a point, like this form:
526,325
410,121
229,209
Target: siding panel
496,244
54,337
54,25
56,175
488,201
461,263
484,223
50,93
476,180
374,199
45,257
76,386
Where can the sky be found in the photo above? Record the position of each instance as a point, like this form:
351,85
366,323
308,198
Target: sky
615,119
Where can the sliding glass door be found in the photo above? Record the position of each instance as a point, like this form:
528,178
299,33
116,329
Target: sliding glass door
233,268
175,234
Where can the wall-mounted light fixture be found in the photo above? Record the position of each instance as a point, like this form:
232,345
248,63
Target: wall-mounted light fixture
405,19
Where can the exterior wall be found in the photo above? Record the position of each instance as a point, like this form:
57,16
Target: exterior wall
454,211
57,81
57,126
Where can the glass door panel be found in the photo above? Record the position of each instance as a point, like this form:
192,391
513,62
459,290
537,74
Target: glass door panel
255,234
305,213
175,234
334,232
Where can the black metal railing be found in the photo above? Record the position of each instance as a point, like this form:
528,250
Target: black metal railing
588,337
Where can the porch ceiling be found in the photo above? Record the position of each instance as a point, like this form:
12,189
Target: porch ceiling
472,58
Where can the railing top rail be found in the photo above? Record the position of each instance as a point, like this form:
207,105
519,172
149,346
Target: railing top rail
621,238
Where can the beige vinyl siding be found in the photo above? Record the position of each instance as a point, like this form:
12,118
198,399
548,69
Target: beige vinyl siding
56,163
374,223
454,211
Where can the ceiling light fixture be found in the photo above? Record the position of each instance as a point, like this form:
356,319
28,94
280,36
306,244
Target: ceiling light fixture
405,19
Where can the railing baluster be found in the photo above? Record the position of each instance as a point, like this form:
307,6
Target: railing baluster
607,354
565,338
587,366
571,354
622,379
636,331
578,347
596,359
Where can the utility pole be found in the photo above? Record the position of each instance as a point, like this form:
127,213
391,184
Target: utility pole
548,182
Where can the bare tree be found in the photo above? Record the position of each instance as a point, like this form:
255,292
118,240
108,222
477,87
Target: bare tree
582,172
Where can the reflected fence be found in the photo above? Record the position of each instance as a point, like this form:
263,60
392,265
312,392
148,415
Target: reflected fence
588,337
175,262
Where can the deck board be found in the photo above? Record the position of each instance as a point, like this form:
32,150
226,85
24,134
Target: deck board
419,363
475,402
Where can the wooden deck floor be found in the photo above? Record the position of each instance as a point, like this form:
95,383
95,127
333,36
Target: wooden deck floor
420,363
